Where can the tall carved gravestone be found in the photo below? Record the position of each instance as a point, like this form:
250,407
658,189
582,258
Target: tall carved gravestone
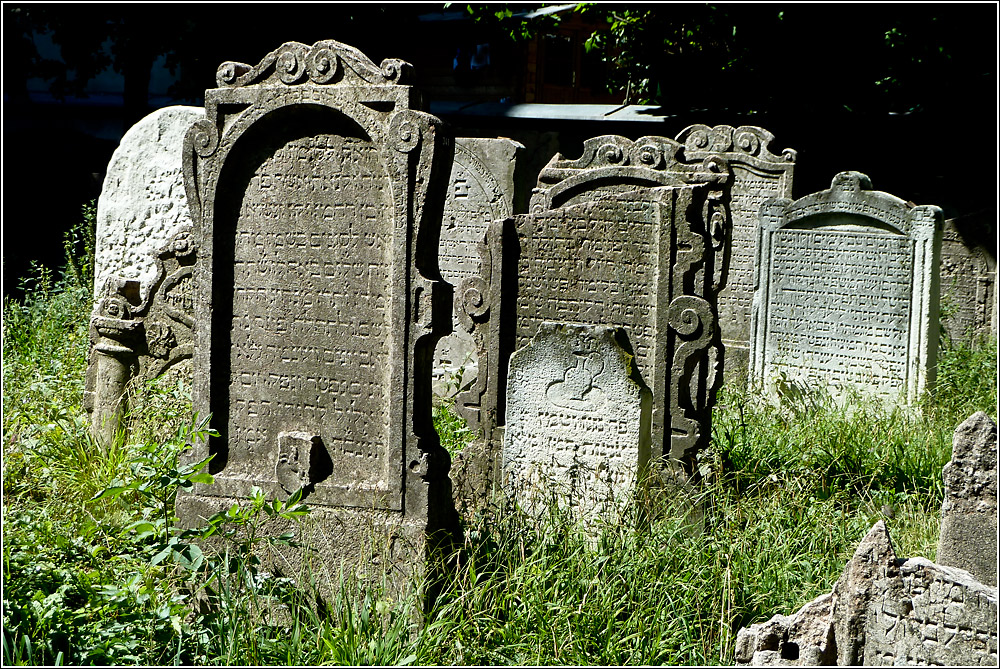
480,191
144,316
577,422
756,175
312,179
847,292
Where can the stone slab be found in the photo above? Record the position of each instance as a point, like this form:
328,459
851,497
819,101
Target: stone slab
847,293
969,512
312,181
480,191
143,202
968,277
577,422
641,261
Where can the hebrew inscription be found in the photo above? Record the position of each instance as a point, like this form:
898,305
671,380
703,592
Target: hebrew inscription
310,339
577,421
847,293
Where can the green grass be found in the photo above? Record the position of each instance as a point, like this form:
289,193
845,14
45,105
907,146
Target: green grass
101,579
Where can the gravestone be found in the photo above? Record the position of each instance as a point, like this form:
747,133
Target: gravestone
847,293
968,277
142,204
969,513
756,175
883,611
480,191
143,319
577,422
313,180
641,261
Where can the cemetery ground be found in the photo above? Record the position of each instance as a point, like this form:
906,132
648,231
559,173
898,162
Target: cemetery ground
94,574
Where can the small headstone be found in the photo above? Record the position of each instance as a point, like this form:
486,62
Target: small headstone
847,293
968,276
883,611
577,422
480,191
757,175
309,180
143,203
969,513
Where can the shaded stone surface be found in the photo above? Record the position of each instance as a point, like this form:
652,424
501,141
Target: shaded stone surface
143,203
968,276
577,427
969,512
480,191
313,184
641,261
883,611
847,293
756,175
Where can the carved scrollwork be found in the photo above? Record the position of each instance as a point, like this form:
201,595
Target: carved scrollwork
687,314
473,301
648,155
205,137
290,65
747,142
698,138
325,62
230,71
181,245
322,65
610,153
396,71
405,131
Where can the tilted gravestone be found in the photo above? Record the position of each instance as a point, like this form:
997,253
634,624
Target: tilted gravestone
968,277
142,322
312,183
883,611
969,513
480,191
756,175
847,292
577,429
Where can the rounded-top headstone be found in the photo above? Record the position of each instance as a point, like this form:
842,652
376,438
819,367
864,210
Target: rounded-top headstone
143,203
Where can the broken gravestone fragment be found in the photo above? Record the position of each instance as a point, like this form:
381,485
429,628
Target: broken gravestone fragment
847,293
969,513
312,181
578,416
883,611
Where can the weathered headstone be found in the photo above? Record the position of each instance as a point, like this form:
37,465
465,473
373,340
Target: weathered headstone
969,513
968,276
883,611
480,191
847,292
312,180
756,175
144,314
142,204
577,422
641,261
